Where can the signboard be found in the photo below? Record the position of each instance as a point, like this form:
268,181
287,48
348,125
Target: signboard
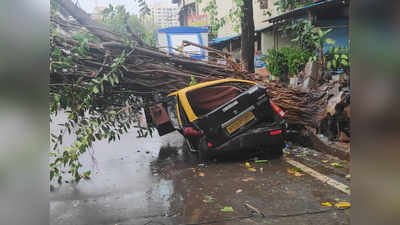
197,21
177,39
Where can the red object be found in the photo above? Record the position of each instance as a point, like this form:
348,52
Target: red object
209,145
190,131
275,132
277,109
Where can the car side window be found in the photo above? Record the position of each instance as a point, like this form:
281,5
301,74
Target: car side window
171,108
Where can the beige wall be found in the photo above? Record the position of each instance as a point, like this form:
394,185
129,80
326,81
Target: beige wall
223,7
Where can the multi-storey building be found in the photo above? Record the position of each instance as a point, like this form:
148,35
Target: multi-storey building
164,14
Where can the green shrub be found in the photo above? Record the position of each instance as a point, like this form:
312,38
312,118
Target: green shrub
277,63
286,61
338,58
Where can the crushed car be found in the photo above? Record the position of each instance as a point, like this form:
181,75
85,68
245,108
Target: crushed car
221,116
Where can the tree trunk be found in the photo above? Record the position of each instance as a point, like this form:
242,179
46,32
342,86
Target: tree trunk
247,39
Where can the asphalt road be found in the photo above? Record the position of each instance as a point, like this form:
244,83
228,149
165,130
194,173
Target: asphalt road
152,181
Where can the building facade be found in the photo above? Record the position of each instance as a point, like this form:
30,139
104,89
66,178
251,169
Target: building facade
268,21
164,14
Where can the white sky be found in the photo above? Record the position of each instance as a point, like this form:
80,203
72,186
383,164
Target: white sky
130,5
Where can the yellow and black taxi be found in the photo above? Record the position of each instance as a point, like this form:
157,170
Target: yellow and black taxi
223,115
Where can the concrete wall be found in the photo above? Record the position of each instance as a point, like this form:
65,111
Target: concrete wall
267,41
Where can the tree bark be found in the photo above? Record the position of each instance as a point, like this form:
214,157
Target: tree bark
247,39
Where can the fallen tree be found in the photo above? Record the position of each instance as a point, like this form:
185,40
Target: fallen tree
97,75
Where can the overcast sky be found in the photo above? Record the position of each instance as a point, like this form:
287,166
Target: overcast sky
130,5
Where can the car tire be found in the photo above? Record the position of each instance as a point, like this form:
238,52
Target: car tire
277,152
273,153
203,150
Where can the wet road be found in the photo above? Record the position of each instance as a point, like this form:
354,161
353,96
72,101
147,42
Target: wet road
152,181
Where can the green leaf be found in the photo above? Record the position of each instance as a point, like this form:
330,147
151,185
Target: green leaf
336,56
95,90
51,174
86,174
227,209
329,65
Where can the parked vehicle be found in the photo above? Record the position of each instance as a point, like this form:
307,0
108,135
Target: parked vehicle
221,116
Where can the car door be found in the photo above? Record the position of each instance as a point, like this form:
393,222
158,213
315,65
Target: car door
165,116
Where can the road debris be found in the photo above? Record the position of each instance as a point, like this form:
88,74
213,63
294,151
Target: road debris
296,172
254,209
252,169
238,191
342,205
326,204
249,179
337,165
227,209
208,199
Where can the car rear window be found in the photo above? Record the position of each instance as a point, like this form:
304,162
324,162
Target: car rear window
207,99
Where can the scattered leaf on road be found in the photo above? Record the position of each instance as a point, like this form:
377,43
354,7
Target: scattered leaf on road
201,174
297,174
348,176
291,171
337,165
327,204
325,161
342,205
238,191
227,209
208,199
251,179
261,161
247,164
290,192
252,169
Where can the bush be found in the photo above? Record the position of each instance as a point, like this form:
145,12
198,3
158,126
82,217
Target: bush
337,58
286,61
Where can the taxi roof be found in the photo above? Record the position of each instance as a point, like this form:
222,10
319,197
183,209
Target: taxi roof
208,83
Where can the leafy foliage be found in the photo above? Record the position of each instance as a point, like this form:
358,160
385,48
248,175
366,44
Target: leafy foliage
297,58
286,61
337,58
311,38
117,19
93,110
288,5
277,63
216,23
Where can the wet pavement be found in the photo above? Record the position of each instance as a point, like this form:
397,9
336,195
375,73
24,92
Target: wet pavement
154,181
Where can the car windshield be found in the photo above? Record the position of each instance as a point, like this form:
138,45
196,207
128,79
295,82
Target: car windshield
207,99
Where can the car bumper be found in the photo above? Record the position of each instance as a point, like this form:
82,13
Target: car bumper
254,139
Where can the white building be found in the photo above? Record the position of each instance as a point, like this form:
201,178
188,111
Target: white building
165,14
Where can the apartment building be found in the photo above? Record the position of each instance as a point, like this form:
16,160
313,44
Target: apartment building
164,14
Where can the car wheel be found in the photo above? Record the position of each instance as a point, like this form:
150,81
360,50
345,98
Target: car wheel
203,150
188,147
273,153
277,152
